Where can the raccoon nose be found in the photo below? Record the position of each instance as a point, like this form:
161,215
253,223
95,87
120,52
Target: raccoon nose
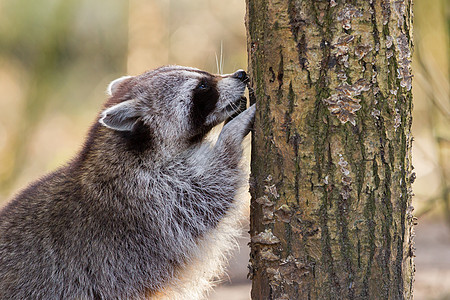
240,74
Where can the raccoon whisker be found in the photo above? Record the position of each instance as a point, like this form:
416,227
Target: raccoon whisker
231,109
234,105
229,114
234,108
221,57
217,64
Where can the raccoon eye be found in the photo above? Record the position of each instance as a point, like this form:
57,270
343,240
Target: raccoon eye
203,86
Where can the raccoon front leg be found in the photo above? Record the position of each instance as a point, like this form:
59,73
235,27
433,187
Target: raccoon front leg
233,133
211,176
238,127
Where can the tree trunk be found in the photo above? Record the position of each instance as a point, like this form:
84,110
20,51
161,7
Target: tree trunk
331,214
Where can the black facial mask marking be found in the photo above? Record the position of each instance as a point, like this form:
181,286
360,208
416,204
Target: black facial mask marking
205,97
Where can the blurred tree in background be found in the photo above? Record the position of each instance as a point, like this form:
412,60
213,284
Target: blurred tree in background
431,126
53,55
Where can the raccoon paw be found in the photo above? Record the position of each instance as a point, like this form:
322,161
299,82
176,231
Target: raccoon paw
239,127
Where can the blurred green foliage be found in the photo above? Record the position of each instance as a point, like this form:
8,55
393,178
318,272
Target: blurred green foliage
54,52
431,127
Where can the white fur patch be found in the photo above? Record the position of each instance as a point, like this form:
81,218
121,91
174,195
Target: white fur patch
112,87
208,264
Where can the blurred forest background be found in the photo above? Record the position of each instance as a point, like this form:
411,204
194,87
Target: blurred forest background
57,57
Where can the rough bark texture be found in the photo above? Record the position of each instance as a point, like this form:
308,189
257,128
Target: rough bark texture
331,214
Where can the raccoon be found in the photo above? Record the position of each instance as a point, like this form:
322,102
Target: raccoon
147,209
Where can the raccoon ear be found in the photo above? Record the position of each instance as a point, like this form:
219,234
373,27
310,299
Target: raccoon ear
112,87
121,117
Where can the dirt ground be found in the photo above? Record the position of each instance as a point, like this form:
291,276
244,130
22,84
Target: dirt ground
432,281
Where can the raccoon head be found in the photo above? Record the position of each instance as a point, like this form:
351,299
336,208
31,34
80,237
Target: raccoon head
177,105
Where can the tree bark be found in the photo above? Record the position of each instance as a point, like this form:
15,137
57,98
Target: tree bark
331,214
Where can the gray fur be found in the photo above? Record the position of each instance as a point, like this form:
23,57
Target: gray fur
126,215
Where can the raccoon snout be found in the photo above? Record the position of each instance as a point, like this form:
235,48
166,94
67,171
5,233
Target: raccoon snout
240,74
